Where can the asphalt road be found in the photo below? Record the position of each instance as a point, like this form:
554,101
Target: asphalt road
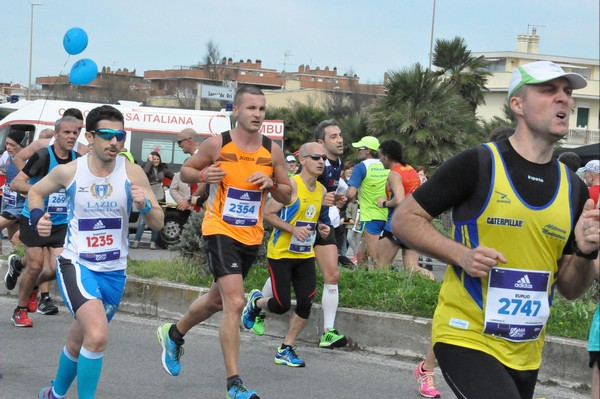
132,367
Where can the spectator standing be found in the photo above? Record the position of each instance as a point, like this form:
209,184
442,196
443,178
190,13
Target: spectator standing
422,173
156,171
592,179
180,192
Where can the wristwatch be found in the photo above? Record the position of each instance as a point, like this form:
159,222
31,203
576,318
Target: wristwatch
591,256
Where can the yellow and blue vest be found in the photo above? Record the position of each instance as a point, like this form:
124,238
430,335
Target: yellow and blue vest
304,211
532,239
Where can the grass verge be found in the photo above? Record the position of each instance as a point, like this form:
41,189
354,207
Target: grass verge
386,291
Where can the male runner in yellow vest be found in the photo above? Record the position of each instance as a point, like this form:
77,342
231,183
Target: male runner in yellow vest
522,227
290,252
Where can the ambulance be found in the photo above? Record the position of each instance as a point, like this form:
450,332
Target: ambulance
148,129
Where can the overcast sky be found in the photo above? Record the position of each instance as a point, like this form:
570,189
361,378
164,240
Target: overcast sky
367,37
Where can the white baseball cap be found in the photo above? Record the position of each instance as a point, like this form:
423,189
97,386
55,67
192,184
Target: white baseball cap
290,158
592,166
541,72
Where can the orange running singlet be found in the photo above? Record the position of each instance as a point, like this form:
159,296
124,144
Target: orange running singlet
234,206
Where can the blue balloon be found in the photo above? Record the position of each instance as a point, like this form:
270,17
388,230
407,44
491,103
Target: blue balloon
75,41
83,72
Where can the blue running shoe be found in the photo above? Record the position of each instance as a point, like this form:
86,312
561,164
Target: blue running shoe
239,391
171,351
287,356
46,393
250,310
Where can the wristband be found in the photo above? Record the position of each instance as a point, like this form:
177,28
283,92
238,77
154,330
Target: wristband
275,185
201,178
591,256
34,217
147,208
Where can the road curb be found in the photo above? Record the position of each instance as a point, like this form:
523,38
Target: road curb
564,360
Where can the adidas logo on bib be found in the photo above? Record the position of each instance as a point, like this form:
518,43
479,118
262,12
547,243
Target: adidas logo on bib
99,225
245,196
524,282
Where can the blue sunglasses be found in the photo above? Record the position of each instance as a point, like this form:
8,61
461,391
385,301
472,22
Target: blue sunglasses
108,134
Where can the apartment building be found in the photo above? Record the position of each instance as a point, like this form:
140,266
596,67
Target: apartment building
584,121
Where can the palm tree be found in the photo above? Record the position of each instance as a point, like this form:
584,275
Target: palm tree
459,68
425,115
300,122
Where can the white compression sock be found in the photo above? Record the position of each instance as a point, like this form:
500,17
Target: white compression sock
330,304
267,289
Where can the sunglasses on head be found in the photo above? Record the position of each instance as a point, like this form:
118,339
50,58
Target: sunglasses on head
316,157
108,134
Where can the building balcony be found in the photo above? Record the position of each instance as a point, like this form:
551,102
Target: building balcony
581,136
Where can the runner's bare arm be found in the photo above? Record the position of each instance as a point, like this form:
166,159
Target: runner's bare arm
412,224
58,178
22,156
193,169
576,273
283,191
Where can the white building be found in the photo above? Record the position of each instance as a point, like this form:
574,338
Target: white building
584,121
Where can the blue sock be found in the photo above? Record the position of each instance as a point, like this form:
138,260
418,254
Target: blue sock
66,373
89,368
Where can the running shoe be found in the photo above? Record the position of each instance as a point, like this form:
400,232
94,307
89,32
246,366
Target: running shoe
259,324
46,393
239,391
32,301
171,351
13,273
287,356
332,339
46,306
250,310
21,319
426,381
345,262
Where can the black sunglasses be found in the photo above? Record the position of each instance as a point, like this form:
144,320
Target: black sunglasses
182,140
316,157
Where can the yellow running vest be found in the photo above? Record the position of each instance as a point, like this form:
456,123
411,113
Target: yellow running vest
511,304
302,212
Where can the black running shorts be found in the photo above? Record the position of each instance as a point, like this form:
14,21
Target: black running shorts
31,238
228,256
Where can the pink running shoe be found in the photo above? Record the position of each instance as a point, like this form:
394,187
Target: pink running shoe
426,380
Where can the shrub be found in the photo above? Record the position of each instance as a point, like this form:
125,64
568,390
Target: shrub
191,244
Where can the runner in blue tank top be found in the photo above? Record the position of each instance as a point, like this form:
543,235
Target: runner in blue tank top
39,248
